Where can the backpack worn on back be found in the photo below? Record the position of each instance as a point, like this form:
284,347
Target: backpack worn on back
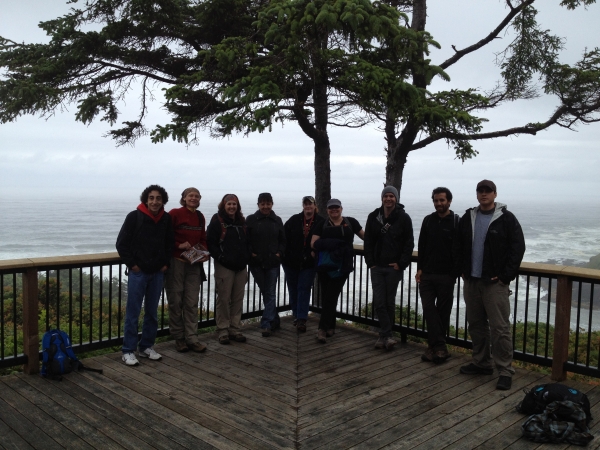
58,355
540,396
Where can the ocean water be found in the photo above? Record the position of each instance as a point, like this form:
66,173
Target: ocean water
556,233
567,233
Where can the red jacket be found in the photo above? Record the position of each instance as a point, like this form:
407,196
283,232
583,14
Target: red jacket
189,226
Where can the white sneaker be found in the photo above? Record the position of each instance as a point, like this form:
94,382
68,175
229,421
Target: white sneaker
150,354
130,360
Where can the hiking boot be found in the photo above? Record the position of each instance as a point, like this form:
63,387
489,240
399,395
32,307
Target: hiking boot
237,337
389,343
472,369
330,333
427,356
295,322
380,343
224,339
504,383
130,360
266,332
322,336
181,346
440,356
150,354
301,326
197,347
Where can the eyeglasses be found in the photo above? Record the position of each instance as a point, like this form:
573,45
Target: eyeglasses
484,190
333,207
308,199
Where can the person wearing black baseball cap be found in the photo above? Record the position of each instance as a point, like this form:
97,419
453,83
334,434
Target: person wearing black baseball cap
492,246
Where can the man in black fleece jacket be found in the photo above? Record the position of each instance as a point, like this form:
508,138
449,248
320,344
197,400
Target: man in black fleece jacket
389,244
266,240
437,270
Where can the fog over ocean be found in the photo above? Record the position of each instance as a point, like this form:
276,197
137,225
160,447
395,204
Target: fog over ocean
563,232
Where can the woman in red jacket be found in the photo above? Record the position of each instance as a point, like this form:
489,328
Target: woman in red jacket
184,278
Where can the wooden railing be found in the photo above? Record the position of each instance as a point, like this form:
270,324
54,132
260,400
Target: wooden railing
86,294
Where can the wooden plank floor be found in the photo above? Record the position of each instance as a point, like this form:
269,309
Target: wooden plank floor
287,391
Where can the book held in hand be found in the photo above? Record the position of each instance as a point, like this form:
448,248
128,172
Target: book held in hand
195,254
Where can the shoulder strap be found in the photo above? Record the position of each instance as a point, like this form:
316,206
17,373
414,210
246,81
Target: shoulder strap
201,220
223,228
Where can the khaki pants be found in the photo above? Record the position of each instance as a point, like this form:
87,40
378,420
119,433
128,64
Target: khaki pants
230,299
183,292
488,312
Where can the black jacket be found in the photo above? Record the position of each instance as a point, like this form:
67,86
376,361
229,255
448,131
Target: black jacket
392,246
233,251
297,249
437,254
266,238
144,243
503,248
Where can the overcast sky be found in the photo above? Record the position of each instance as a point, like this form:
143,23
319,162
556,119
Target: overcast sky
60,155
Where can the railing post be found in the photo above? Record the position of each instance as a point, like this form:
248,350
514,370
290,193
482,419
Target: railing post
31,339
562,327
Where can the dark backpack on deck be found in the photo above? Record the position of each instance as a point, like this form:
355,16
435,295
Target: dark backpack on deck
58,356
559,423
537,398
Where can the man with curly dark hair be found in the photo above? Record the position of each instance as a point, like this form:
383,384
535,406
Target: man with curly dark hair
145,243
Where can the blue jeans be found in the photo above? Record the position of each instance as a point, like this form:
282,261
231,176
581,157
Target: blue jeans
145,287
385,282
299,283
267,283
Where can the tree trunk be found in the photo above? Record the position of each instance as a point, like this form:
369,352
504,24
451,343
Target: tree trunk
322,149
322,173
398,147
317,131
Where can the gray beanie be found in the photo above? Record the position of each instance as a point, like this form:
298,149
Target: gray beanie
390,190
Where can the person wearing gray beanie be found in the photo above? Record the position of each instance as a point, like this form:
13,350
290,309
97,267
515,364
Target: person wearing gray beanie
389,244
390,190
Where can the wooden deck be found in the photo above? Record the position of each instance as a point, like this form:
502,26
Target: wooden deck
287,391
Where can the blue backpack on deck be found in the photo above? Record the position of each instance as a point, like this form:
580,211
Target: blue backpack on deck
58,356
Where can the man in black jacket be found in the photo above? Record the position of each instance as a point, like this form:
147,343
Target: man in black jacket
266,240
388,248
145,243
491,250
437,272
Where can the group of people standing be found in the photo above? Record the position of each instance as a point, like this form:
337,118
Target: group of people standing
485,247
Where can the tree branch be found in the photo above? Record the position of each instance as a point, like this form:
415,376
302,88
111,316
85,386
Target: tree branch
490,37
129,71
526,129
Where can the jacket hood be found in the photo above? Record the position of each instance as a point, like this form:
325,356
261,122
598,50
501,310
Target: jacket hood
399,207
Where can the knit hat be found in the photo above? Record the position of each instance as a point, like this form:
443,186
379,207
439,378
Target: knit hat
390,190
